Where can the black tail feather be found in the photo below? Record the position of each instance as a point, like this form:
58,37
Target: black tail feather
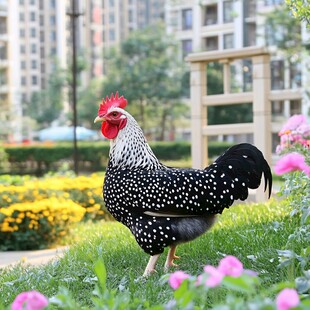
248,162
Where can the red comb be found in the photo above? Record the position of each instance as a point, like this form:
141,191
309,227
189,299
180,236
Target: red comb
112,102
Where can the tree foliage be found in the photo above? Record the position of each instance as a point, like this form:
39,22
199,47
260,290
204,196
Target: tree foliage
283,30
300,9
46,106
147,71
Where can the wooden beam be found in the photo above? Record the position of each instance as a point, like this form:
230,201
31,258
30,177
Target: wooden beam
228,129
285,94
228,55
226,99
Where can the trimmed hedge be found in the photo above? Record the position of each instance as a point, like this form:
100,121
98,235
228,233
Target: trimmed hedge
93,156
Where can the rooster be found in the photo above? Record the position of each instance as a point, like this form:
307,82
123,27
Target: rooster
164,206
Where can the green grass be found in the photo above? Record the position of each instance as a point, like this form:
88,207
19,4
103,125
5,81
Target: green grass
253,233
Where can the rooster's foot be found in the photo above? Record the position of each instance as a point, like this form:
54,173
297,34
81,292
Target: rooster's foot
150,268
171,257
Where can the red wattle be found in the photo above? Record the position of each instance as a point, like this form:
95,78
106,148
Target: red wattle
109,131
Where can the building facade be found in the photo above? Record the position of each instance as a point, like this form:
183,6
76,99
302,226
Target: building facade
206,25
35,35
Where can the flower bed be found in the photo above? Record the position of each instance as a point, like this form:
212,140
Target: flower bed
85,191
35,225
37,212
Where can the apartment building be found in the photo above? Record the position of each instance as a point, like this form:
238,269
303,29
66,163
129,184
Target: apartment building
35,34
208,25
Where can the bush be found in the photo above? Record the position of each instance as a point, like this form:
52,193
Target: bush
85,191
3,159
37,225
92,156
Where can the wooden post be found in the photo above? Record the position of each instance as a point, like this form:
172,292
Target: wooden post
198,82
262,110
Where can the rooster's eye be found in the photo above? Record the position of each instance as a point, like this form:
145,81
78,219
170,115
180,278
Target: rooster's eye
114,114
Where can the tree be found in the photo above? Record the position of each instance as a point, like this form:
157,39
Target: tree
146,69
46,106
300,9
88,103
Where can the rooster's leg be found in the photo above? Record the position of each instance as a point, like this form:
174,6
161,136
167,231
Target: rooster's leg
171,256
150,268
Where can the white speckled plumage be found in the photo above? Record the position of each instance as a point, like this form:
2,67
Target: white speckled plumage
165,206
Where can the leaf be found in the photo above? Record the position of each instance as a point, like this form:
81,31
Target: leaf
243,284
101,274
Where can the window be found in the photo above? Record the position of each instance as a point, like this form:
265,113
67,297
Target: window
111,34
21,2
295,107
33,32
53,51
22,49
42,36
3,52
53,4
3,28
53,36
130,16
22,17
41,20
228,41
34,80
249,34
228,11
186,47
277,74
23,64
295,75
210,17
23,80
111,3
33,64
33,49
249,8
32,16
53,20
187,22
212,43
273,2
32,2
111,18
22,33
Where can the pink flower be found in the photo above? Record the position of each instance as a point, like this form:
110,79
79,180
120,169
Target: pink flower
215,276
304,130
291,162
287,299
231,266
30,301
293,123
176,279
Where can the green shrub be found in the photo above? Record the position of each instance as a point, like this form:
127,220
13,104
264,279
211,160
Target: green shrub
93,156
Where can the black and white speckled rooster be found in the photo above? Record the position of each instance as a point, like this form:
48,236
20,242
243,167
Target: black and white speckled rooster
165,206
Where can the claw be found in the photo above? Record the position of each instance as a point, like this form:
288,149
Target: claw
150,268
171,256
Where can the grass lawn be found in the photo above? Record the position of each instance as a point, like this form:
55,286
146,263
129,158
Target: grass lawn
252,233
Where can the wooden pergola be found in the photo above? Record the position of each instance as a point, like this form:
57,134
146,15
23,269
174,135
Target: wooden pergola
260,97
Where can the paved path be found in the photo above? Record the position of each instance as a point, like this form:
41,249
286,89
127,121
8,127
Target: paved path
30,257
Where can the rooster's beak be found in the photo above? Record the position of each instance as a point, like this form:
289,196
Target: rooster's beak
99,119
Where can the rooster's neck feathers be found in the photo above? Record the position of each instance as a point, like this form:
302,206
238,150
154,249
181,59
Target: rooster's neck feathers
129,150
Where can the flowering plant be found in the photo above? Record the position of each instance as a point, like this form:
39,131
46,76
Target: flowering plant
190,291
32,300
295,145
